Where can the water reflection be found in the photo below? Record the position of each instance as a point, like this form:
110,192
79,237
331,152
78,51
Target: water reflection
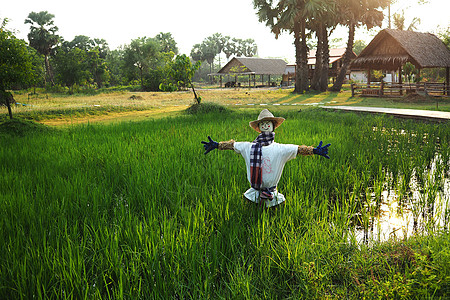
423,209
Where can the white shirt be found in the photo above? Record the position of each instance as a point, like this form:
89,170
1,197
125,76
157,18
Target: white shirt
274,157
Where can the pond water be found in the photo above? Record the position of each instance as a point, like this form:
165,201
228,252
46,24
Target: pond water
425,210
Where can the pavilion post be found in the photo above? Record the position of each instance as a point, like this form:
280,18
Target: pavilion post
447,76
368,77
400,80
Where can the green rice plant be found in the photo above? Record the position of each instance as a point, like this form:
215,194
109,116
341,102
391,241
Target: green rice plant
136,210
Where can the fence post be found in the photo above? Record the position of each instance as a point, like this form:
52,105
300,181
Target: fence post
353,89
382,88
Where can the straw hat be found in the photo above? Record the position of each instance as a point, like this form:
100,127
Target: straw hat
266,115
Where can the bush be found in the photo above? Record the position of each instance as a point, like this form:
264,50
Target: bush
152,81
203,108
20,127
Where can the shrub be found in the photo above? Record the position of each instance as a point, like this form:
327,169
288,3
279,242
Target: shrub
203,108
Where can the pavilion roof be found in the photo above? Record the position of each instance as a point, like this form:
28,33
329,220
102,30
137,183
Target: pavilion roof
391,48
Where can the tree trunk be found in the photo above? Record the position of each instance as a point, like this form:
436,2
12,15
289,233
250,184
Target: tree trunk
317,73
304,58
48,70
297,64
7,97
301,58
325,62
142,78
343,71
9,109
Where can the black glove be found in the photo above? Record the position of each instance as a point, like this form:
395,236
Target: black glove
211,145
323,151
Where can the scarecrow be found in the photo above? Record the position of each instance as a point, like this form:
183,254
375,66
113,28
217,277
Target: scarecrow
265,159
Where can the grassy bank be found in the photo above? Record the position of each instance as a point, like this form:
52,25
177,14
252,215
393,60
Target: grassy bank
135,210
47,106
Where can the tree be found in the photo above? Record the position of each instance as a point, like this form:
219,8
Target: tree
37,61
15,65
322,18
411,73
209,49
42,37
358,46
444,35
355,13
115,62
98,67
95,51
217,43
179,73
292,17
81,42
229,48
71,67
247,47
399,22
139,56
166,42
196,53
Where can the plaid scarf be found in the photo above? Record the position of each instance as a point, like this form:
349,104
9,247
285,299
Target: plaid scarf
264,139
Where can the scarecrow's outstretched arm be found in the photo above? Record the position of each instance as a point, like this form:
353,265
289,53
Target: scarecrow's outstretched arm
228,145
211,145
305,150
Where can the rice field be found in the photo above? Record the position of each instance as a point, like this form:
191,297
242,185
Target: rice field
136,210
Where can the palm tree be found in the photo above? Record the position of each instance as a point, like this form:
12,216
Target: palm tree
294,17
355,13
322,19
42,36
288,16
399,22
167,42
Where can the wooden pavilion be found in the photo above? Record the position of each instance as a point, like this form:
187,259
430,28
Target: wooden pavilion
251,67
390,49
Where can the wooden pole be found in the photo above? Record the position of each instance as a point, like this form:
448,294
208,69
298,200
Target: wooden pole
400,80
368,77
447,76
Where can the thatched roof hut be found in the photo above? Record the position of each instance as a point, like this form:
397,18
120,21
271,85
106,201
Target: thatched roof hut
254,65
251,66
390,49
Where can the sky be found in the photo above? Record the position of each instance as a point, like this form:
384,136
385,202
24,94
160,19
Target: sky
189,21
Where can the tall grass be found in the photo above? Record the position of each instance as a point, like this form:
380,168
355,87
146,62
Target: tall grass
135,210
